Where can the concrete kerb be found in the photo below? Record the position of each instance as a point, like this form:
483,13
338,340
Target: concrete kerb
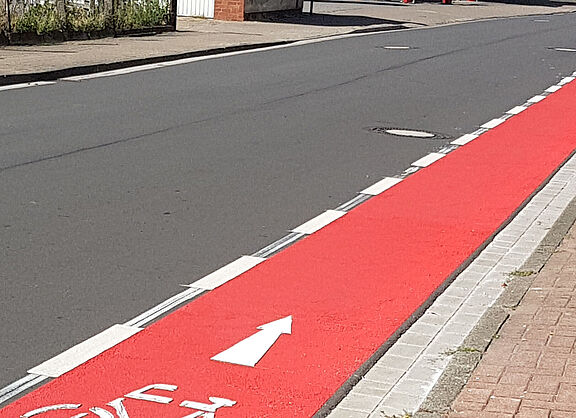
9,79
97,68
463,363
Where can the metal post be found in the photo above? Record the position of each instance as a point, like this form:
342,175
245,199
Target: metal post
173,13
311,6
8,16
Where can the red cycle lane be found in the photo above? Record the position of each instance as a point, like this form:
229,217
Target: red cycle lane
347,288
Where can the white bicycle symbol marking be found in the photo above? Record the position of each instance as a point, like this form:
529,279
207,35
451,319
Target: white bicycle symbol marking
203,410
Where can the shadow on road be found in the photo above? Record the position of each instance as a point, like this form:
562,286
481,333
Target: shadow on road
320,19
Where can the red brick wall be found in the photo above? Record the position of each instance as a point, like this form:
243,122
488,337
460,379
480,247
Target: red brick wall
229,10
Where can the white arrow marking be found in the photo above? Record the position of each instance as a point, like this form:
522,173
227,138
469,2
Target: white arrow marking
248,352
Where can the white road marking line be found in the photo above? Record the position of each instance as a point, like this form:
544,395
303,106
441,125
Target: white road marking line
381,186
228,272
428,159
565,49
86,350
493,123
20,386
25,85
566,80
517,110
319,222
553,89
536,99
61,407
397,47
464,139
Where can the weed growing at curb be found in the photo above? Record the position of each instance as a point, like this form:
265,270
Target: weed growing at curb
521,273
461,350
404,415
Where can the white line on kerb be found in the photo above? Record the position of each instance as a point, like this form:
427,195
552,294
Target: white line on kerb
517,110
464,139
536,99
428,159
553,89
493,123
319,222
26,85
228,272
381,186
86,350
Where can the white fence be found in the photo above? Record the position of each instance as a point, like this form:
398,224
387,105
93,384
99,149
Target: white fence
198,8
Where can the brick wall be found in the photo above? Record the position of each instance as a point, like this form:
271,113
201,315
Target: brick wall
229,10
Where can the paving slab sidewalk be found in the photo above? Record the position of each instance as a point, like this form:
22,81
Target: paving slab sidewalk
530,369
199,36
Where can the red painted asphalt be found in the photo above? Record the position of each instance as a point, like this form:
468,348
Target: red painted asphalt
348,287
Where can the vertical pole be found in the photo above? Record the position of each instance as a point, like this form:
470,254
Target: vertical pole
8,16
311,6
173,12
109,9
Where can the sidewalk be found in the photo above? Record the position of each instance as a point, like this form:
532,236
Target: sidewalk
530,369
201,36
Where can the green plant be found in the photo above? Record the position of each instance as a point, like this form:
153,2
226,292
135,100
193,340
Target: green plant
521,273
134,14
39,18
3,20
82,20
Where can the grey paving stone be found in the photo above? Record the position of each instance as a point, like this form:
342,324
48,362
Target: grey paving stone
397,404
395,362
423,328
347,413
449,300
412,387
405,350
372,388
384,374
360,402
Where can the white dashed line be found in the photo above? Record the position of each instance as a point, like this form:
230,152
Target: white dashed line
86,350
319,222
381,186
566,80
493,123
553,89
464,139
517,110
536,99
228,272
428,159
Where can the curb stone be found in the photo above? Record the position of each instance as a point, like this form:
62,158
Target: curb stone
9,79
463,363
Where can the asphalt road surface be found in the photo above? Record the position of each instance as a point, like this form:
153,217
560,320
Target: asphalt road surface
117,190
